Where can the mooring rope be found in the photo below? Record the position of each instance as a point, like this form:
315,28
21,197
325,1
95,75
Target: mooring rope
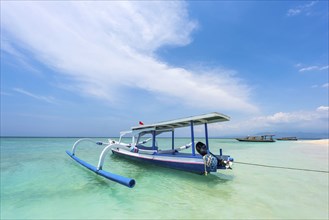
280,167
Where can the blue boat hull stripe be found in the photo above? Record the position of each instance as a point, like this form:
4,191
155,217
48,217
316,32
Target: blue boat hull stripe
195,167
160,158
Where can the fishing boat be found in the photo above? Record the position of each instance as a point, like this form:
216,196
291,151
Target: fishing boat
192,157
287,139
262,138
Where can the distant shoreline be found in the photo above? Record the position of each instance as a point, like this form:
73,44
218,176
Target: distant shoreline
299,139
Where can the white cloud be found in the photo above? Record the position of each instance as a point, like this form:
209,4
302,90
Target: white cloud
323,109
308,68
293,11
107,47
8,48
326,85
305,121
298,65
48,99
324,68
311,68
296,118
300,9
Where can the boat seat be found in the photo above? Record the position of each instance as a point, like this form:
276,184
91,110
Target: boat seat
142,147
167,151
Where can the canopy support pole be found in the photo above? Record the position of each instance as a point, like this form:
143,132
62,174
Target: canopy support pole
206,134
192,138
153,139
172,139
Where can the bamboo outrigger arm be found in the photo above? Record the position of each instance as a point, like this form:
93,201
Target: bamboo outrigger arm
98,170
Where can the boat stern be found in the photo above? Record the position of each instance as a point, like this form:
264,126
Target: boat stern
225,162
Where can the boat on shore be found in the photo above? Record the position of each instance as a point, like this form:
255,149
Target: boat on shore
262,138
144,148
287,139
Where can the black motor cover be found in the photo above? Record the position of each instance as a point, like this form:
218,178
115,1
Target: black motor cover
201,148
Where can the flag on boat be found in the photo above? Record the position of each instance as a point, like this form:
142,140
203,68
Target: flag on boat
141,123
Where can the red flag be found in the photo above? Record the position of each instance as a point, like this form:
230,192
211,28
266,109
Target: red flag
141,123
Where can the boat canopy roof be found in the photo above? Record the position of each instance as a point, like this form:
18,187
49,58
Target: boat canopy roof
183,122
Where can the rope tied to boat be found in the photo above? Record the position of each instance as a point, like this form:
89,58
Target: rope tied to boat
281,167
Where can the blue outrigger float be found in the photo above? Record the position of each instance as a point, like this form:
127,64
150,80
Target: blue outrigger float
202,162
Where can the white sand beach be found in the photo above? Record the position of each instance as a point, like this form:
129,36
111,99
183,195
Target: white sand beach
319,149
324,142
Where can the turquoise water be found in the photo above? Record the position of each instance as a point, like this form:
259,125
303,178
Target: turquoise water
40,181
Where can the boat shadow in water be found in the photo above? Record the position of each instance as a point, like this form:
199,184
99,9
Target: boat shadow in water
90,180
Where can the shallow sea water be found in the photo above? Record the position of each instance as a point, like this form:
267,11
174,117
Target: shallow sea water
40,181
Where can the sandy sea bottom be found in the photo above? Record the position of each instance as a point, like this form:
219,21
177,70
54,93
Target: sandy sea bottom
39,181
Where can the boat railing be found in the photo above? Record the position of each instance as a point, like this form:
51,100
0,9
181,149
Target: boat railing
75,145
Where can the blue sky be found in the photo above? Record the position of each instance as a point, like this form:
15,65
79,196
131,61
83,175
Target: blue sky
96,68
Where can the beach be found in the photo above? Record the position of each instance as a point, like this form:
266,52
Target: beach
321,142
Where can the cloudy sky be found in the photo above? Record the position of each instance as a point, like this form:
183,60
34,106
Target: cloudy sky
79,68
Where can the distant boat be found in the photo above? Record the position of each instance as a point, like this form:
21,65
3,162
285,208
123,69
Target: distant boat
287,139
262,138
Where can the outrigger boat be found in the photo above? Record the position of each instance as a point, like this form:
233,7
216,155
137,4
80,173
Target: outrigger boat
201,162
287,139
263,138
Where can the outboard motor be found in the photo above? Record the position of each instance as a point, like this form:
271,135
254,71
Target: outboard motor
209,159
212,161
201,148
